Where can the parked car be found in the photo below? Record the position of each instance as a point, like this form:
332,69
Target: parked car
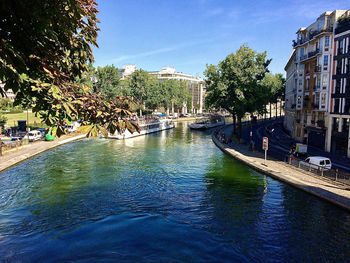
34,135
317,162
73,127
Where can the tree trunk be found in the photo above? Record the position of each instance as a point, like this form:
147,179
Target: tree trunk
234,126
281,108
270,111
172,108
239,130
276,110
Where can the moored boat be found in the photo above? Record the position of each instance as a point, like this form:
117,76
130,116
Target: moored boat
148,124
208,122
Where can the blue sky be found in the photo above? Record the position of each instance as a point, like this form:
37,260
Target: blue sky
188,34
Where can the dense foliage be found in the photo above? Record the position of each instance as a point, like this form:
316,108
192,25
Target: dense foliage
45,46
144,89
237,84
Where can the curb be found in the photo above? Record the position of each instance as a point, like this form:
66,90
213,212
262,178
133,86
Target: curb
30,155
338,200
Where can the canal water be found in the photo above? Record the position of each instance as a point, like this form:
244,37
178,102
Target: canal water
166,197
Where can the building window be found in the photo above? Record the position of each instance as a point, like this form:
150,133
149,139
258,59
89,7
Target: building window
318,82
323,98
326,41
341,47
324,80
325,62
307,84
336,105
300,84
299,99
317,99
305,117
347,106
337,86
339,66
335,124
345,127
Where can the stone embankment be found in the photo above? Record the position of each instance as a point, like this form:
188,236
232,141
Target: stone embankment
318,186
13,157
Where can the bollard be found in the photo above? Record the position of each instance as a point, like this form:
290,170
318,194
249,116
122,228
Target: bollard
309,167
322,171
298,164
336,174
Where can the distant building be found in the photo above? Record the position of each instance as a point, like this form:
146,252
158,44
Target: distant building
338,139
8,94
195,85
126,71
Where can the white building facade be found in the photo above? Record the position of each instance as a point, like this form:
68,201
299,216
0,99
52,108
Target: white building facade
195,85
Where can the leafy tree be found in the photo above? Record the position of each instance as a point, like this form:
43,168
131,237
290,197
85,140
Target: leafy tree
107,81
235,84
275,84
5,103
45,46
3,120
142,84
88,78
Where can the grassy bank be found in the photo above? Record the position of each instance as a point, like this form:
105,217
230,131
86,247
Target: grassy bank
12,118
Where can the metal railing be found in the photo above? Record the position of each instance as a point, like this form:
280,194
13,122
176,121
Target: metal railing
332,174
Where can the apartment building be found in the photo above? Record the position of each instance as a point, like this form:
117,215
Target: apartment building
195,85
338,139
126,71
309,80
290,93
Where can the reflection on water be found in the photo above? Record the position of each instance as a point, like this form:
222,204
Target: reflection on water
168,196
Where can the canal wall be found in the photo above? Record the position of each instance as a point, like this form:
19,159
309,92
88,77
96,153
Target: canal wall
322,188
25,152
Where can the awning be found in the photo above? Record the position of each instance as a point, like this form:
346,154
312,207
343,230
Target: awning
315,129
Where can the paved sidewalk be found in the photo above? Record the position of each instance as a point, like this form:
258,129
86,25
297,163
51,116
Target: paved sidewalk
325,189
22,153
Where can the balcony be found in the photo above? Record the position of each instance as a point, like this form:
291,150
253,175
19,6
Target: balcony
312,35
315,106
318,68
310,55
297,120
317,88
342,28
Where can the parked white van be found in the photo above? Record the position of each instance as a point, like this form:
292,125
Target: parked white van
317,162
34,135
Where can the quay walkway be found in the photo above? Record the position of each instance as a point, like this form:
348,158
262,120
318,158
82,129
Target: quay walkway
323,188
13,157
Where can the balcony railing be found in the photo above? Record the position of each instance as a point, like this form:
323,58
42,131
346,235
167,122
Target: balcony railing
311,35
315,105
310,55
317,88
342,29
318,68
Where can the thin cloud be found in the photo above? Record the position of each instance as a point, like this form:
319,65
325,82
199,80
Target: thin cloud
214,12
157,51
